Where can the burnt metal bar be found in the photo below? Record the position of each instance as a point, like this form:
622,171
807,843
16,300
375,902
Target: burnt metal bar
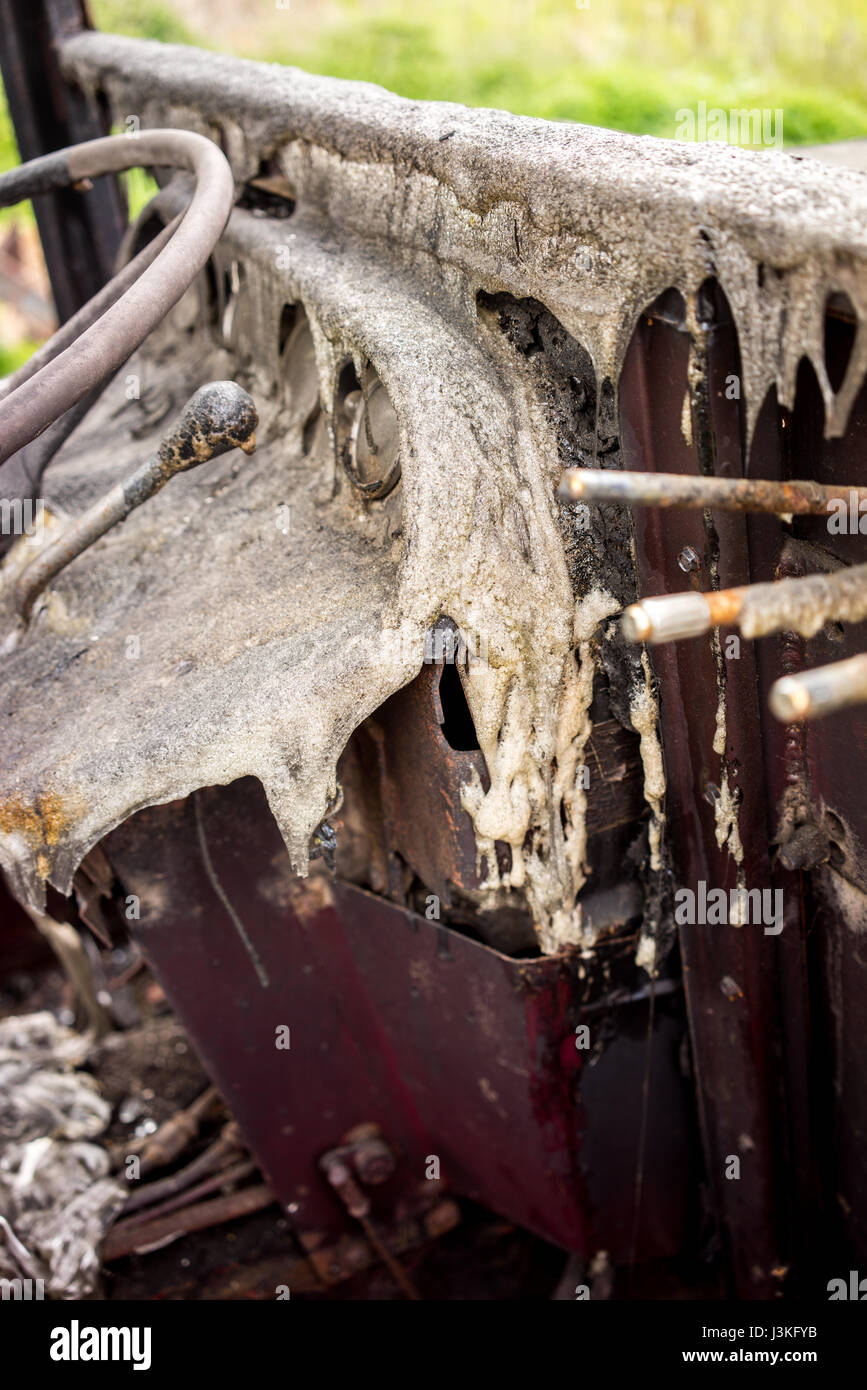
103,346
80,233
90,312
21,475
124,1239
798,605
824,689
794,496
218,417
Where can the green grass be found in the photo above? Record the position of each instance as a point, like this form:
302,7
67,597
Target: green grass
145,20
14,356
626,64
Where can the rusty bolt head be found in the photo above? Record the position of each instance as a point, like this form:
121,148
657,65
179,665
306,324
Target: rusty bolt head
339,1176
371,1157
442,1218
689,560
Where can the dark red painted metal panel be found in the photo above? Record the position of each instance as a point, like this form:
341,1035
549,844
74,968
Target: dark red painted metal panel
733,1029
453,1049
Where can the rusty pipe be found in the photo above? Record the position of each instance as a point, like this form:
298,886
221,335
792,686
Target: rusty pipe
218,417
801,496
108,342
787,605
824,689
122,1239
224,1178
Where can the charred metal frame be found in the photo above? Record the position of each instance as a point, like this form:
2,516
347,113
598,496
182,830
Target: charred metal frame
777,1060
80,236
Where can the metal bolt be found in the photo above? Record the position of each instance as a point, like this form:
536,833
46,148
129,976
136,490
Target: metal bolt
371,1157
666,619
338,1175
688,560
796,605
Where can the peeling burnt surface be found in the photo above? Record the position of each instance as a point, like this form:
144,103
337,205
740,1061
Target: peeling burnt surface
404,832
584,421
598,546
471,531
399,247
597,539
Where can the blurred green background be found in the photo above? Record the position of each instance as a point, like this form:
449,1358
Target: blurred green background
627,64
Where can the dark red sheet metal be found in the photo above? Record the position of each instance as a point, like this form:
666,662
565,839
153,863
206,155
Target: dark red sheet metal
454,1050
734,1025
829,755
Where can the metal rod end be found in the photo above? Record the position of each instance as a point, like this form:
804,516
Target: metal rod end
571,485
822,690
789,700
667,619
220,416
636,624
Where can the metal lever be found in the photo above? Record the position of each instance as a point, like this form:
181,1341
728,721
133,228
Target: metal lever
219,417
794,496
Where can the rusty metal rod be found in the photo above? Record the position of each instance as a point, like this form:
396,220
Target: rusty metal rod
108,342
159,1149
225,1148
824,689
800,496
223,1178
392,1264
788,605
123,1239
336,1170
220,416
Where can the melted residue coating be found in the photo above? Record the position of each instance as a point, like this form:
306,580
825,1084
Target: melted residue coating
644,713
405,212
